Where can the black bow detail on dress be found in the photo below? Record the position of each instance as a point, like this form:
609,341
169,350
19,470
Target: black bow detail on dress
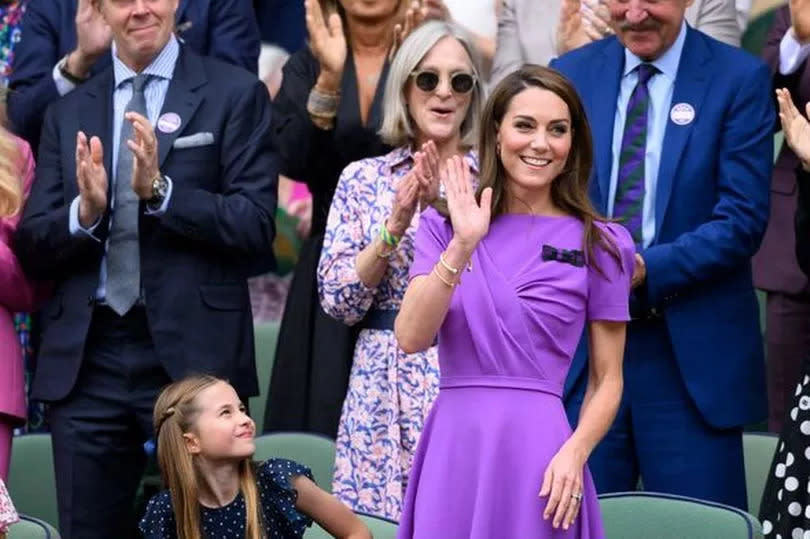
567,256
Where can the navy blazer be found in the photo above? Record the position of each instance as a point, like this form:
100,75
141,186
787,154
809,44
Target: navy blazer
225,29
711,210
194,258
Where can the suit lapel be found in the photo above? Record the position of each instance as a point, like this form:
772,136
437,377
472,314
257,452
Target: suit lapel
603,106
691,85
181,99
98,96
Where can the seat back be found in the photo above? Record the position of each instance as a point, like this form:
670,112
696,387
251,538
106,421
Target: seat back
265,336
31,478
312,450
643,515
758,451
381,528
32,528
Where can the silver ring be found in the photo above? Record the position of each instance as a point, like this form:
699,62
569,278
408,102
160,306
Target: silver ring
576,495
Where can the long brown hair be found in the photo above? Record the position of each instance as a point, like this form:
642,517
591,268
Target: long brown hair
175,414
569,190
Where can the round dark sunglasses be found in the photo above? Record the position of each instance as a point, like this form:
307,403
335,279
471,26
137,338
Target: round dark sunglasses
427,81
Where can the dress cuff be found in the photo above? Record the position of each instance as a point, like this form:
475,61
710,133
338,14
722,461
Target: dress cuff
63,86
74,224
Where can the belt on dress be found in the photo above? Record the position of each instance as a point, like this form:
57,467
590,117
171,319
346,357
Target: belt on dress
506,382
379,319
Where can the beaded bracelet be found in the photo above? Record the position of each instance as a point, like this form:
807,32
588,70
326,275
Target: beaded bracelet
388,238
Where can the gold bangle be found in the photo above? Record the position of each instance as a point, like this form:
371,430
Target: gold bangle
447,266
442,279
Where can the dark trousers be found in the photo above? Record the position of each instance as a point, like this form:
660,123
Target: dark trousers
659,435
787,334
99,430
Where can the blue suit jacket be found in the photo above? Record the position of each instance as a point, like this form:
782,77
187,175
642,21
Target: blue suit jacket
711,210
194,258
225,29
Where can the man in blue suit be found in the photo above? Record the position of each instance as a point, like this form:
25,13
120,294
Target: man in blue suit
148,234
682,128
64,42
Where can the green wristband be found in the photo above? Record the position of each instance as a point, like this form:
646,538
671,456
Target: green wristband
388,238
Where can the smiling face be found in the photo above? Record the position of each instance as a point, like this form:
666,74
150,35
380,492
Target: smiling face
648,28
222,431
140,28
437,114
535,140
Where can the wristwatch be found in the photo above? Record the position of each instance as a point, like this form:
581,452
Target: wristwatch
67,74
160,188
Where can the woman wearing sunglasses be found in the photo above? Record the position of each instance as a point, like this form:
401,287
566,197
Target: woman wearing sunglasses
432,107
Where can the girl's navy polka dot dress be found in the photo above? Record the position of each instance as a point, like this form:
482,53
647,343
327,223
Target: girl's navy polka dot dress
281,519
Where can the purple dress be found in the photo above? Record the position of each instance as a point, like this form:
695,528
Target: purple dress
505,348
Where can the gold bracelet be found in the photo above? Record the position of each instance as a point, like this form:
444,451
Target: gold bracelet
442,279
447,266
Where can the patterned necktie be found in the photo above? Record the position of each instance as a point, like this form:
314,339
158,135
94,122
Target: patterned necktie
629,202
123,285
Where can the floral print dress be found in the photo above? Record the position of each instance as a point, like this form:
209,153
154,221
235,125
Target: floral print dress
390,392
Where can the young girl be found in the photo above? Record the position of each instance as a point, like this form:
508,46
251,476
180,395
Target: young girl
205,444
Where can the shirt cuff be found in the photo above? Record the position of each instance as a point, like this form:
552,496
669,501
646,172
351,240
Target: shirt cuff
74,224
165,204
791,53
63,86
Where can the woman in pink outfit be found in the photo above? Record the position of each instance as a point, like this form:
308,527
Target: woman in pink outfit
16,292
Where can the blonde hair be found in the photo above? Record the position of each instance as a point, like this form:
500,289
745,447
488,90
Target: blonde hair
11,169
176,412
396,128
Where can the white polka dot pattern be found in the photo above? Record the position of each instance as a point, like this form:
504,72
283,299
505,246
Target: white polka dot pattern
277,496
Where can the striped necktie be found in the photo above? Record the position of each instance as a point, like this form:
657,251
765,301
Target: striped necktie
629,202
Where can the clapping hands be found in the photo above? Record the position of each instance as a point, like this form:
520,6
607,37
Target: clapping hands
795,126
470,218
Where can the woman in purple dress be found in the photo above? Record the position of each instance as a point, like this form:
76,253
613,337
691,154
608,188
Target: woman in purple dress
497,457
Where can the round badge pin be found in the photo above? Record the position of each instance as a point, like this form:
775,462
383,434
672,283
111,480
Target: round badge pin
169,122
682,114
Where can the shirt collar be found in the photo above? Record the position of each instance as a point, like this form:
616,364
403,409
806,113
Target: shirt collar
162,66
404,154
667,63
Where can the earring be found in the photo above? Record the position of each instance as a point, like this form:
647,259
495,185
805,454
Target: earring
498,149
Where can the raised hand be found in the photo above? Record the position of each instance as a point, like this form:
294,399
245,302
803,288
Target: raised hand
800,19
144,148
327,41
470,219
91,178
405,199
416,14
428,173
795,126
93,39
572,30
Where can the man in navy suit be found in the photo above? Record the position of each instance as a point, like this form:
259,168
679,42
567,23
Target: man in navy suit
66,41
682,127
149,234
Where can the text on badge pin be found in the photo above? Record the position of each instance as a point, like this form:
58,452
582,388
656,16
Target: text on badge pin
682,114
169,122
